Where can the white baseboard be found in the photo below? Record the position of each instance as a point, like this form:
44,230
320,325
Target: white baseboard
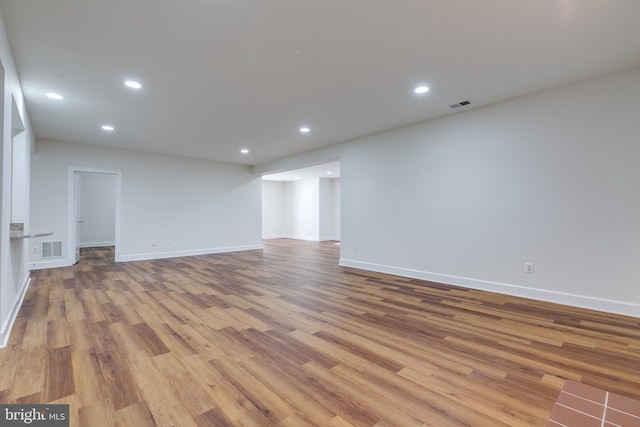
177,254
295,237
41,265
292,236
63,262
96,244
305,238
582,301
5,332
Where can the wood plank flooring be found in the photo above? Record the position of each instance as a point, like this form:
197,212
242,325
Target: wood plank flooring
286,337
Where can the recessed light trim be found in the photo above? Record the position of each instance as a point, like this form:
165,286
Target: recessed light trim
305,129
419,90
133,84
244,151
55,96
107,128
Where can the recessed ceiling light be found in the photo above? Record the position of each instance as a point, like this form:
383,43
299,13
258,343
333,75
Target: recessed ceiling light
245,151
421,89
133,84
107,128
305,129
329,173
55,96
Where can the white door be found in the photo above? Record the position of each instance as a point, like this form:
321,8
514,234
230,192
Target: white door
76,213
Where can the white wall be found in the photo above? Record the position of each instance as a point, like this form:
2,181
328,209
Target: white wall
301,217
20,162
335,184
97,209
170,206
306,209
14,168
329,228
551,178
273,226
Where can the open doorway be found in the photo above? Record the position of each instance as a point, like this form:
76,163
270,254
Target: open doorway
302,204
95,215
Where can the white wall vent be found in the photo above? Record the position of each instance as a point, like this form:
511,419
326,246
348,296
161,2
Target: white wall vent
460,104
52,249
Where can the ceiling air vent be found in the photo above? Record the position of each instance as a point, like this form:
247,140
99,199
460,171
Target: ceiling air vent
52,249
460,104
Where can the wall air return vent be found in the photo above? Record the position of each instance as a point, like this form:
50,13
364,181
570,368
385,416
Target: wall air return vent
52,249
460,104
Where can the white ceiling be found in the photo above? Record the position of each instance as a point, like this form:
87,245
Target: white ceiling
221,75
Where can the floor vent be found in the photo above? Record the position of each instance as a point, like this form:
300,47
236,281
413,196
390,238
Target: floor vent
52,249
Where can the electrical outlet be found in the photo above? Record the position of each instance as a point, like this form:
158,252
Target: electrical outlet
356,249
528,267
34,249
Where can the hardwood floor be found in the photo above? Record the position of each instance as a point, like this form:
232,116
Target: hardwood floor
286,337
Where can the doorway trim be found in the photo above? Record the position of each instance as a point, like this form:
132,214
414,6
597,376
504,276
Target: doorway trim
71,212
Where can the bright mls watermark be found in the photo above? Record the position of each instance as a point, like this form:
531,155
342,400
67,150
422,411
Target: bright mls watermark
34,415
